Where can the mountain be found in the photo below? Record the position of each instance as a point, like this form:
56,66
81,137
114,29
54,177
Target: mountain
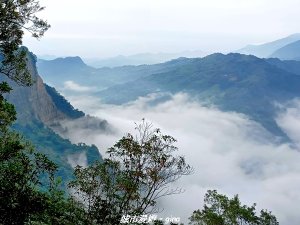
141,59
267,49
233,82
288,52
227,81
69,64
59,69
40,107
292,66
71,74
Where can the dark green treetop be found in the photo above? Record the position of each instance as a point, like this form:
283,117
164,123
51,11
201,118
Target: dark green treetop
16,16
221,210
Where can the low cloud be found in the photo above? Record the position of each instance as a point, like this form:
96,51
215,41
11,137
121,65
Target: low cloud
289,119
229,152
79,159
89,130
72,86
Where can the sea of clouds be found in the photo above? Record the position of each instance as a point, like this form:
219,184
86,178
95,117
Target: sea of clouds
229,152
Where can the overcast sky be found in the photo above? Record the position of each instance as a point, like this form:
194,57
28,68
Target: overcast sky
102,28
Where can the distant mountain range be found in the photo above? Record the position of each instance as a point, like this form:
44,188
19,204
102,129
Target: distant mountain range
141,59
233,82
72,74
61,70
285,48
288,52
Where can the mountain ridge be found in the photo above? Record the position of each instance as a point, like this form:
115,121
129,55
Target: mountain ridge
227,81
141,59
288,52
57,75
267,49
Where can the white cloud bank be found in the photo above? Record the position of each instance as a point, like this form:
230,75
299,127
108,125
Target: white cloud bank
73,86
226,150
289,120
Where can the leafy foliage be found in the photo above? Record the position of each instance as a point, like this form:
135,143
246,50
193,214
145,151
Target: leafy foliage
7,110
220,210
136,174
17,16
23,195
30,192
20,171
59,150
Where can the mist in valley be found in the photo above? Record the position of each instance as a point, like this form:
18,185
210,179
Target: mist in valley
228,151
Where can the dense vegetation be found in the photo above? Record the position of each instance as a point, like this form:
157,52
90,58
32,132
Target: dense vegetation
59,150
220,210
63,104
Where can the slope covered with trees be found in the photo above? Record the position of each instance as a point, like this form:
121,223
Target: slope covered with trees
226,81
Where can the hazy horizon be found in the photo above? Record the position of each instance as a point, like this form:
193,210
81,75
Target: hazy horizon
102,29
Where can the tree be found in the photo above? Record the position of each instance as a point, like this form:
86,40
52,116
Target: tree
7,111
138,171
15,17
220,210
27,188
20,171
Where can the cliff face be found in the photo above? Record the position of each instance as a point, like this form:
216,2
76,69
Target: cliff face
34,102
40,106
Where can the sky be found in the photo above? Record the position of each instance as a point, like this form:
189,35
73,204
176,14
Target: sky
101,28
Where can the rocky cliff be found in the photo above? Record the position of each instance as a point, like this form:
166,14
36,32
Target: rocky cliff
35,102
40,106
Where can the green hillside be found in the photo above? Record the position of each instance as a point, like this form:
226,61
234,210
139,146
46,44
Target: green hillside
232,82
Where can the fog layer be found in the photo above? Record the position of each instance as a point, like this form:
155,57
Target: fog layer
229,152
